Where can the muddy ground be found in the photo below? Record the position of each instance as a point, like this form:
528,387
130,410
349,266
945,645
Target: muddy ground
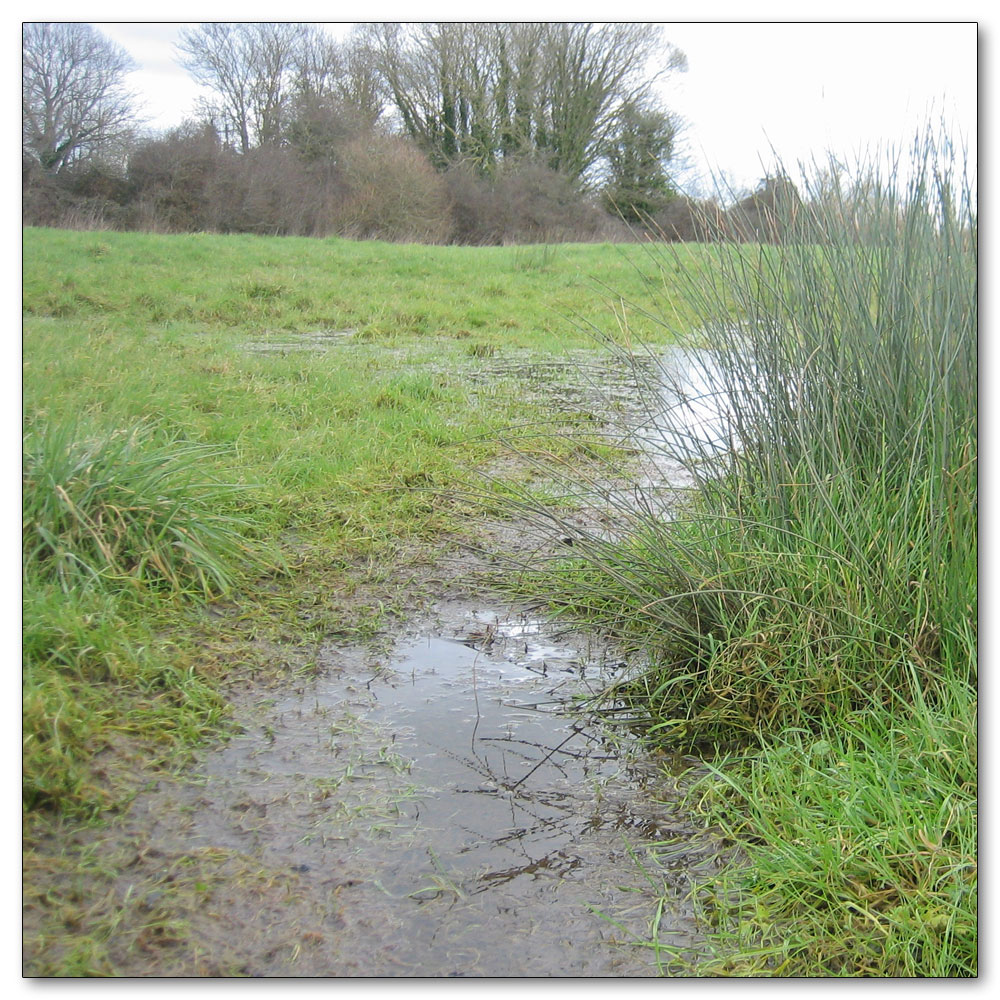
429,804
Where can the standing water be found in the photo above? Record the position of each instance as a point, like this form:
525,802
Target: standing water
686,417
447,813
444,808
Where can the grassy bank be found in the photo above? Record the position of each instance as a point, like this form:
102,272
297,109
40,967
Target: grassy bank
810,614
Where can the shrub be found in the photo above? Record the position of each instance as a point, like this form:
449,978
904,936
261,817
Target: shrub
172,179
685,220
767,215
391,193
525,202
539,205
90,200
476,212
269,191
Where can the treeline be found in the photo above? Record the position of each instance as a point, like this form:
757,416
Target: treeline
475,133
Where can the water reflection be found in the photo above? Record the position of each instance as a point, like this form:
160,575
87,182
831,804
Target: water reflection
454,805
685,422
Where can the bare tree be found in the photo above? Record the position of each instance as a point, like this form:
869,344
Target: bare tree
250,67
359,86
338,94
593,77
73,98
319,65
465,91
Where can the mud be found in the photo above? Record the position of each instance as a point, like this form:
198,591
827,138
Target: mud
442,809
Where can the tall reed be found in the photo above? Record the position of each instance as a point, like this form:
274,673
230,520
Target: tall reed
826,416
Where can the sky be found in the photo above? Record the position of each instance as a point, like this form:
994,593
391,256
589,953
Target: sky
755,93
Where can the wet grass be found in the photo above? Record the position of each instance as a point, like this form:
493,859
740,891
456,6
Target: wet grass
809,613
117,512
166,466
236,449
499,297
861,846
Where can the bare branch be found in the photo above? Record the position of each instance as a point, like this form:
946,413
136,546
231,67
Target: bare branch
73,100
250,66
482,92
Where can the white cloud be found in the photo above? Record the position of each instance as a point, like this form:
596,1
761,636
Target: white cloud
805,89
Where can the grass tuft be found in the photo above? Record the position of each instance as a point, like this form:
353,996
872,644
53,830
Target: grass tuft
112,523
118,509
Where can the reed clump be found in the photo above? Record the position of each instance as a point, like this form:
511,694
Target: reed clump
808,609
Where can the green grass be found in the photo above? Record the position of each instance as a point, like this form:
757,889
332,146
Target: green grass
112,522
277,425
116,511
809,613
507,296
861,843
97,678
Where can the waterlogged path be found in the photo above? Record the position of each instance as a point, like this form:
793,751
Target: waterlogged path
432,811
436,807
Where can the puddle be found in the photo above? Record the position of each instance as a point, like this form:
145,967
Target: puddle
311,340
671,405
444,808
447,810
683,420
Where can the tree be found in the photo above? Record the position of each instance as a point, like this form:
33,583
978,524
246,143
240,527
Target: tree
74,102
466,92
479,93
338,95
638,185
592,75
250,66
341,71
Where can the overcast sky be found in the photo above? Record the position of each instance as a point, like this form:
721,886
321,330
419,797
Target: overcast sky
752,90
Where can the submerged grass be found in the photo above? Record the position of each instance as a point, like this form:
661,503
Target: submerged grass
236,450
808,611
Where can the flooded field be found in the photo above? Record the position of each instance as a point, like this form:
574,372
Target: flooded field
439,804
